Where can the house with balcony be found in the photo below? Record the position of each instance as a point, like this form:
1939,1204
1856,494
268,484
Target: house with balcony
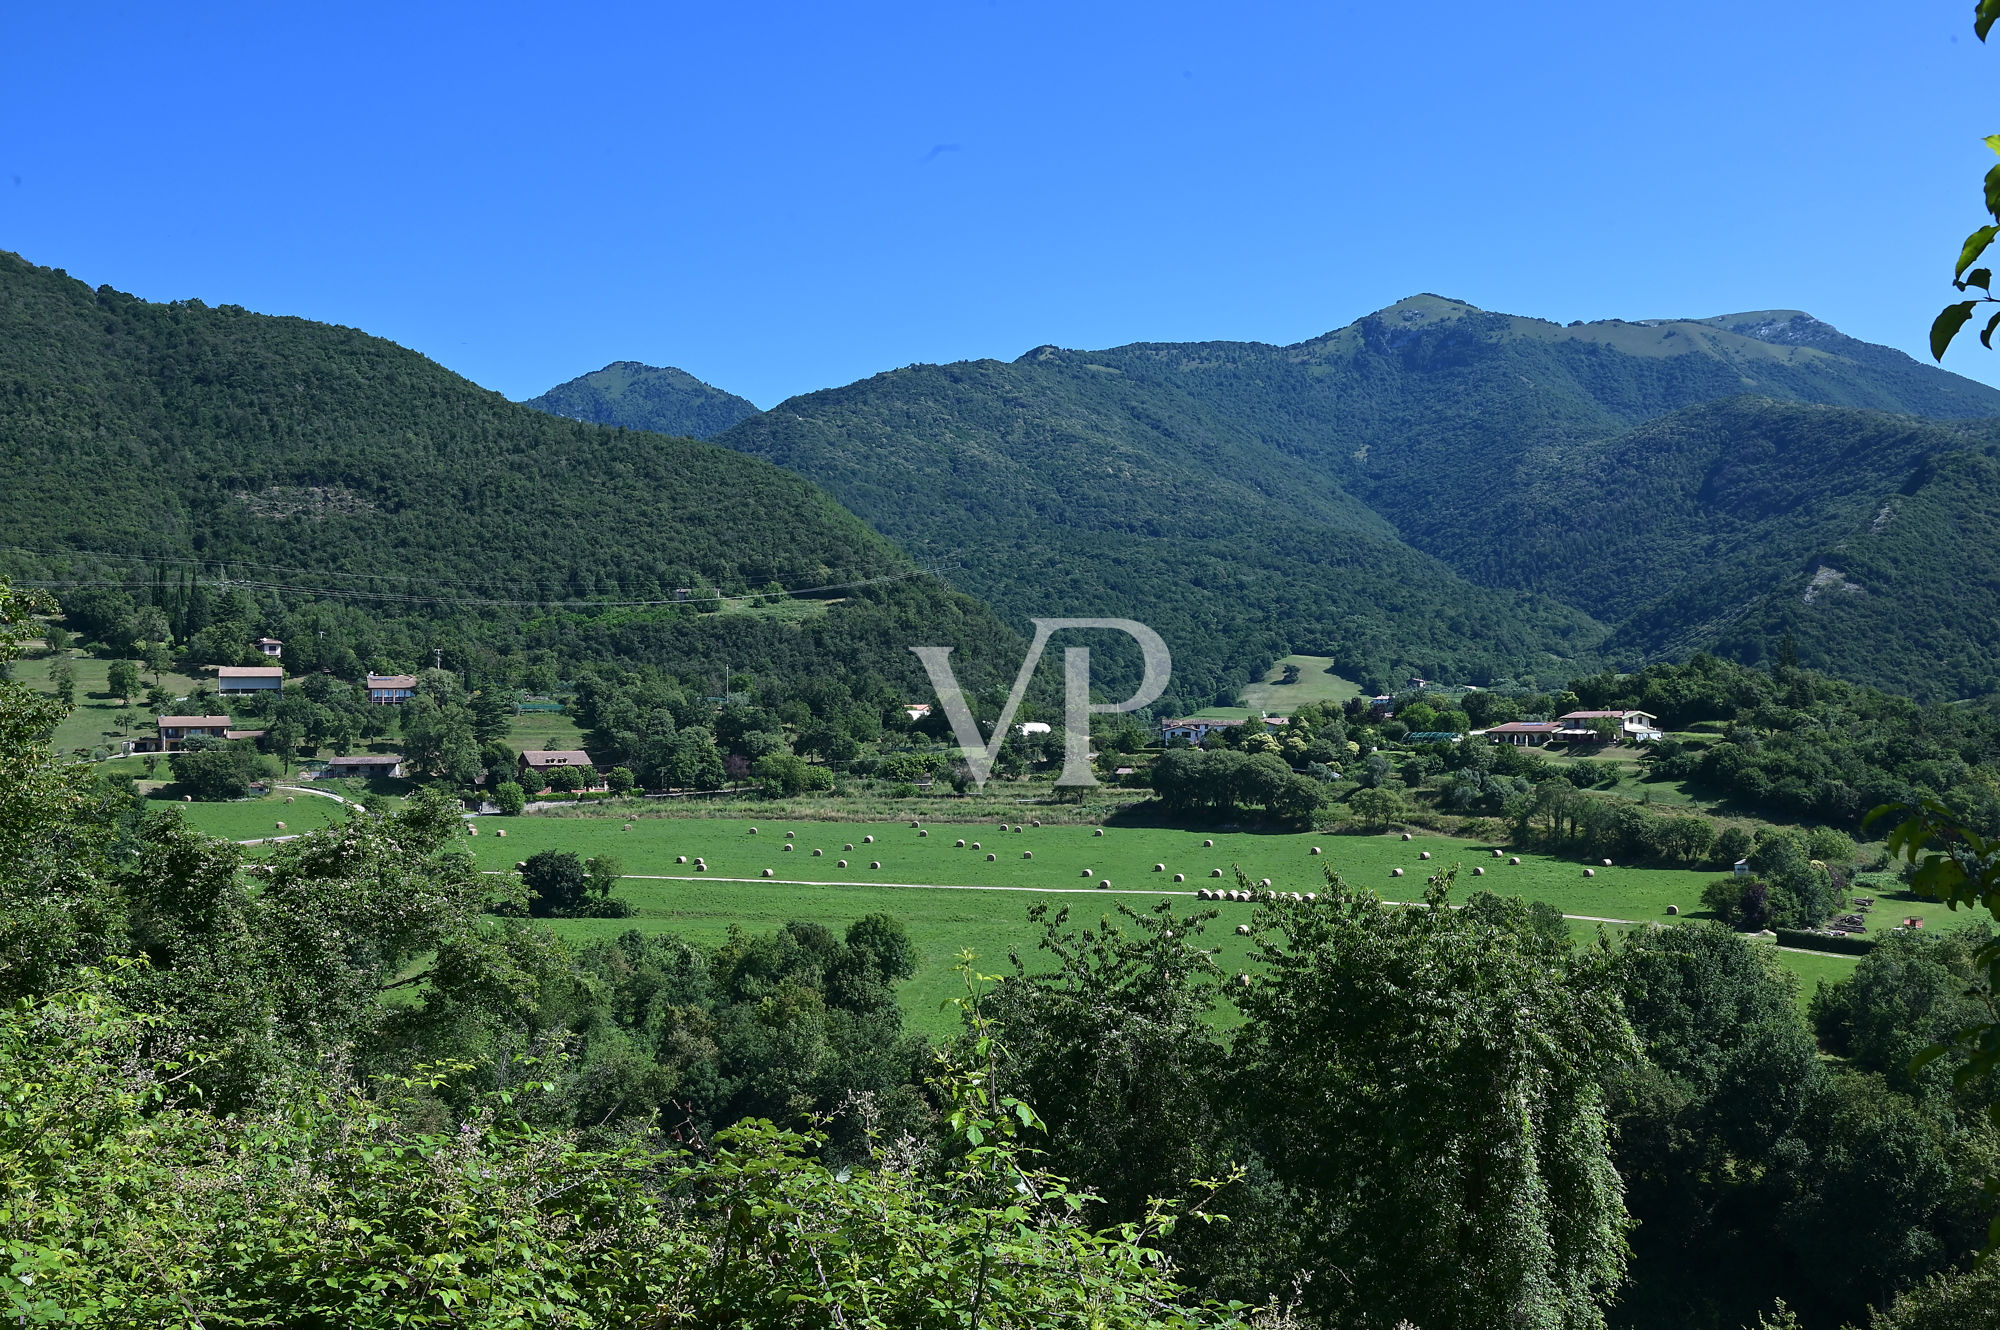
173,732
1634,727
391,689
239,679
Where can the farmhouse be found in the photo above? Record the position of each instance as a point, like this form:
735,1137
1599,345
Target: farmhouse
1194,728
543,761
391,689
1633,726
1524,733
249,678
175,731
270,646
363,764
917,710
1028,727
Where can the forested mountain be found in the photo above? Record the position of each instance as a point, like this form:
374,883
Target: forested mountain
149,442
635,396
1607,470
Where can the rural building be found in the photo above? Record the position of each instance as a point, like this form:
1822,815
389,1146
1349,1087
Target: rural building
1634,727
1433,737
270,646
1381,708
1194,728
1743,868
175,731
249,678
391,689
543,761
1028,727
243,734
917,710
363,764
1525,733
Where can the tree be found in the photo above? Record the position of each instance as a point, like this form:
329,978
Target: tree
62,680
123,680
510,798
215,771
567,780
437,739
1377,807
557,883
694,762
1412,1072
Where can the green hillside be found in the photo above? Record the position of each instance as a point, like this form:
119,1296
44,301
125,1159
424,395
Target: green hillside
635,396
144,443
1435,488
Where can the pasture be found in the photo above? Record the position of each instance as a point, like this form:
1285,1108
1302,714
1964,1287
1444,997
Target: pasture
251,819
955,898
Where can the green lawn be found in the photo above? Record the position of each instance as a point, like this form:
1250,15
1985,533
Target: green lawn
991,921
249,819
544,730
94,722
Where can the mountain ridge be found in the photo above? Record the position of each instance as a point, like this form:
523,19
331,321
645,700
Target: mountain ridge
634,395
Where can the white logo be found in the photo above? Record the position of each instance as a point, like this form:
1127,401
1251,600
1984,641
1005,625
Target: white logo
1077,706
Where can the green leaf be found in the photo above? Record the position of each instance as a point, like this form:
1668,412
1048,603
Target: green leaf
1948,323
1993,191
1983,17
1979,277
1975,245
1986,337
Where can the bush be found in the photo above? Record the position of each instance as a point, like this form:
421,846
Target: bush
510,798
557,884
1849,946
1744,903
621,780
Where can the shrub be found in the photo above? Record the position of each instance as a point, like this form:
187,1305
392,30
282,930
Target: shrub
510,798
212,773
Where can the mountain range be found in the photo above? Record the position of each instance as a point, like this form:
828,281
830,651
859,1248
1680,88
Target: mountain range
1433,489
1444,490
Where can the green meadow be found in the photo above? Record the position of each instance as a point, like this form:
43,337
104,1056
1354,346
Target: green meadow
252,819
955,898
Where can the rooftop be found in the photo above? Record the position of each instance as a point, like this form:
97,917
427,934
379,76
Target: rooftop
540,757
187,722
366,760
392,681
250,672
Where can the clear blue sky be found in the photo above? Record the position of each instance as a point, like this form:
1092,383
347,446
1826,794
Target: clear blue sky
784,197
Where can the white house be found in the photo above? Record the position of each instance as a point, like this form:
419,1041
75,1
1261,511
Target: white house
249,678
391,689
1634,727
270,646
1194,728
363,764
1028,727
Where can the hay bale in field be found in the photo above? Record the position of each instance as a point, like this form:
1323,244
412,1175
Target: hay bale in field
1515,860
1264,882
849,847
959,846
281,826
1208,845
1180,877
1406,835
1098,832
1590,872
875,864
841,864
787,847
753,831
1607,863
923,833
867,840
627,826
1105,883
791,835
1085,873
818,853
680,858
1673,909
1496,854
1215,872
1396,872
288,798
1027,854
1315,849
1038,822
187,798
1311,897
1479,872
1243,930
975,845
500,831
767,873
991,857
1003,826
701,868
520,864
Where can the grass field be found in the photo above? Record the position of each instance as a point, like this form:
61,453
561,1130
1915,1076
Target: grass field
248,819
544,730
1317,683
94,722
990,917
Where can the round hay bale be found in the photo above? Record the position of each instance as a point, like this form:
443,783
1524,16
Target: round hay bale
1105,883
1397,872
1590,872
753,831
627,826
1037,822
975,845
1215,872
921,834
1315,849
1027,854
915,823
500,831
1496,854
818,853
471,830
867,840
959,846
520,864
680,858
991,857
876,863
1243,930
1425,855
849,846
1515,861
1201,894
1311,897
701,868
767,873
1243,979
1297,897
1159,868
1003,826
1265,882
791,835
1098,832
1479,872
787,847
1180,877
1406,835
281,826
1673,909
187,798
288,798
1208,845
1607,863
1085,873
841,864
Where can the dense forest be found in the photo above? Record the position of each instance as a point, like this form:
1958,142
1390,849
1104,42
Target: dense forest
1444,491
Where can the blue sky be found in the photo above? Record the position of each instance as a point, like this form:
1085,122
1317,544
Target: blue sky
785,197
